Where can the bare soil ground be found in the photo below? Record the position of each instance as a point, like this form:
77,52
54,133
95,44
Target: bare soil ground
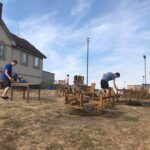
49,125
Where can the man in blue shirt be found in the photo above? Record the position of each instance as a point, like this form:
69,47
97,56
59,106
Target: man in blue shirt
7,78
109,77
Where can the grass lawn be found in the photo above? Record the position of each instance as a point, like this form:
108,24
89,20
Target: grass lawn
50,125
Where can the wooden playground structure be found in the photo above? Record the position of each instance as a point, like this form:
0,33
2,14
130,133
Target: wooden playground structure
83,96
130,95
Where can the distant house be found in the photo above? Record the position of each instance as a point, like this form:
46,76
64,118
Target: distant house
48,78
138,87
135,87
30,59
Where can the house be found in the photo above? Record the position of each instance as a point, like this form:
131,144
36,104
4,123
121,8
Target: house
48,78
30,59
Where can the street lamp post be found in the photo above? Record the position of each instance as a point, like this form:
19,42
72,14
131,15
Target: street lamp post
124,84
144,56
68,79
87,73
143,81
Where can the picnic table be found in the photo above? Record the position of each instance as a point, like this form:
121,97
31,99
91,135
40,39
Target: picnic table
24,87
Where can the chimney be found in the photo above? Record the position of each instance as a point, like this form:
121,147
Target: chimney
1,7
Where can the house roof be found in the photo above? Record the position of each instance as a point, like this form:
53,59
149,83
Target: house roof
22,44
25,45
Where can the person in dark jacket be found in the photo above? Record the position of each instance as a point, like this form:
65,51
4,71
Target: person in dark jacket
7,78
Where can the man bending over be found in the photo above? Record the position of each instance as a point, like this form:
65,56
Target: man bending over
109,77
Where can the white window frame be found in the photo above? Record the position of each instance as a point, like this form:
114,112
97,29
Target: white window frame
2,50
22,60
34,62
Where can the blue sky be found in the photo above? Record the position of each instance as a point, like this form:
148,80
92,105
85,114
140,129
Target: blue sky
119,32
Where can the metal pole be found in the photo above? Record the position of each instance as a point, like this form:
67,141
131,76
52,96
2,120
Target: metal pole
144,56
143,82
145,74
124,84
87,73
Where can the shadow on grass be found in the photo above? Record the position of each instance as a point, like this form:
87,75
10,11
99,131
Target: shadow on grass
91,113
138,103
111,114
108,113
146,104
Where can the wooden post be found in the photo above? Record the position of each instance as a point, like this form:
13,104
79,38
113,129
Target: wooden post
11,93
39,93
28,93
66,98
81,100
101,103
24,93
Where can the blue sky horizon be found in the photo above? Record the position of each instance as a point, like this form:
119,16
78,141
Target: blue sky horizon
118,29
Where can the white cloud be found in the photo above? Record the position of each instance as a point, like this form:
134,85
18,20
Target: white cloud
81,7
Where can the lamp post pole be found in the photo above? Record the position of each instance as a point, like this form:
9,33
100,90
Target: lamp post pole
124,84
143,81
87,73
144,56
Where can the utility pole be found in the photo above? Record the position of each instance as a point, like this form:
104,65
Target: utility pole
87,73
124,84
143,81
144,56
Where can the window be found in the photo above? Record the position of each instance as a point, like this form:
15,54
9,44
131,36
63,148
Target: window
1,51
24,58
36,62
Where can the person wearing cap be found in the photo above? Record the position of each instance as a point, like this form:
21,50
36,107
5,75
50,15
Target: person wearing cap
7,78
109,76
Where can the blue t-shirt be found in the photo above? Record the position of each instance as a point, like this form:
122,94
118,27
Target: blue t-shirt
8,67
108,76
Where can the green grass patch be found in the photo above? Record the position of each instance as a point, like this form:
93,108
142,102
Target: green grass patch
6,146
101,131
27,109
86,143
15,124
131,118
54,146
